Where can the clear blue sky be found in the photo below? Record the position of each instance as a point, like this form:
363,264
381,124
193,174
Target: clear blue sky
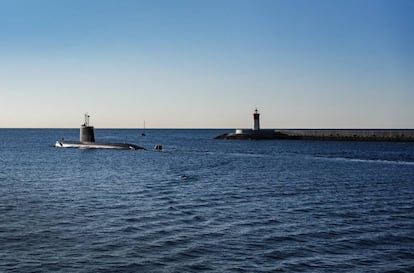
207,63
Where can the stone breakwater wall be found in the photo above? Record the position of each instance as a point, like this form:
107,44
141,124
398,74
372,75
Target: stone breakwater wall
324,134
352,134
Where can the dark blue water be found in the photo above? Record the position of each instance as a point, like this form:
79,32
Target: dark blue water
204,205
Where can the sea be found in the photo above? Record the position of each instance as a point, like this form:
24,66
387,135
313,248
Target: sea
204,205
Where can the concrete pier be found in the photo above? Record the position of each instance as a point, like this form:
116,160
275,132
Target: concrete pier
319,134
324,134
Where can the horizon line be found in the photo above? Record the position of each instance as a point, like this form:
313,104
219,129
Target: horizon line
196,128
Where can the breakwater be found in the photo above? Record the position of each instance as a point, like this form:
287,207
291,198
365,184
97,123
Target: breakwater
324,134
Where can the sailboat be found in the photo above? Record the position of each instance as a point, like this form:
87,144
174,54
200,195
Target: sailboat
143,132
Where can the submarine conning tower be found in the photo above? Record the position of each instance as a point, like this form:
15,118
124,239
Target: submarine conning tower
256,118
86,131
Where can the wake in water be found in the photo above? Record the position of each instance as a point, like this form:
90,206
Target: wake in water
364,160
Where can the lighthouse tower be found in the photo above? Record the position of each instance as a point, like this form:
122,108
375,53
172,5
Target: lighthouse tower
256,118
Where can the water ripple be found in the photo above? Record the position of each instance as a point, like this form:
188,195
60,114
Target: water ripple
205,205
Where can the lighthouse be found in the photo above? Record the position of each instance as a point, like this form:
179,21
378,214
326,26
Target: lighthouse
256,119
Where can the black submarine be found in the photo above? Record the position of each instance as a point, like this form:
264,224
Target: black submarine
87,140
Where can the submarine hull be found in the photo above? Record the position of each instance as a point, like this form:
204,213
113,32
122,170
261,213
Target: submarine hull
97,145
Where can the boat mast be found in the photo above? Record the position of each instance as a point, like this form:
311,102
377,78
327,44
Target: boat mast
143,132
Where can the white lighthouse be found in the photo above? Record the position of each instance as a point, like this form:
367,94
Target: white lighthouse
256,118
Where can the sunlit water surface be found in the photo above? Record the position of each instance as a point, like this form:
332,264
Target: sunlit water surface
203,204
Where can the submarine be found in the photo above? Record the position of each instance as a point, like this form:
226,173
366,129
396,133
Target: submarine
87,140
